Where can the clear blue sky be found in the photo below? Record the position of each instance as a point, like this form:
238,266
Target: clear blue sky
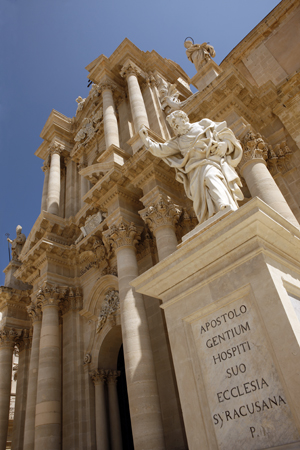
45,47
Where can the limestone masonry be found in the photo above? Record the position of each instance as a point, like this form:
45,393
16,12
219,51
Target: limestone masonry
155,304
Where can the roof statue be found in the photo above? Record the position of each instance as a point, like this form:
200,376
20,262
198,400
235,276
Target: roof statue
199,54
17,244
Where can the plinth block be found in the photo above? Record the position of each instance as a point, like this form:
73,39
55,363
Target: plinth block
231,295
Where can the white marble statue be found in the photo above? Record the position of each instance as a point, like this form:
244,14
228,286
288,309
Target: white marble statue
204,155
198,54
17,244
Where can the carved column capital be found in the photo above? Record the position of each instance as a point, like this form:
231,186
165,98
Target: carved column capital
8,337
24,341
254,148
56,149
107,86
122,235
81,166
34,312
51,295
130,68
98,376
161,213
112,376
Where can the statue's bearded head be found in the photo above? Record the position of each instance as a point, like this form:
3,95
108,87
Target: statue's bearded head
179,121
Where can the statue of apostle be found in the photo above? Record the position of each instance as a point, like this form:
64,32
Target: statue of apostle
204,155
17,244
198,54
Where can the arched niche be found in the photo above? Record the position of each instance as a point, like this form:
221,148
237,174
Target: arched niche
95,299
110,347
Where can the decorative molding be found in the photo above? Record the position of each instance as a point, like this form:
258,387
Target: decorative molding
162,212
122,235
87,359
91,223
90,126
110,306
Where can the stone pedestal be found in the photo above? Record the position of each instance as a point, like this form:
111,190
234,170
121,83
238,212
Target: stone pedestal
206,75
10,280
231,293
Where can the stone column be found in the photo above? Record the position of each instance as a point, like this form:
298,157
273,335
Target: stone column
36,315
161,217
48,401
71,188
21,394
99,377
7,342
84,184
140,372
114,413
139,114
54,181
258,178
45,169
111,130
71,371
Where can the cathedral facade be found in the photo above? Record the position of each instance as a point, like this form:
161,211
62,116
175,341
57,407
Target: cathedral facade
95,364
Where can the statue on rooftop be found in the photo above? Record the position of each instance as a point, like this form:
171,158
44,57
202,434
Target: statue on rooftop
17,244
204,155
199,54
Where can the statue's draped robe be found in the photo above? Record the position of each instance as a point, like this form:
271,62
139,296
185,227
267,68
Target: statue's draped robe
210,181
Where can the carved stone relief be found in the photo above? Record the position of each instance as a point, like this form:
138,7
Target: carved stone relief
110,306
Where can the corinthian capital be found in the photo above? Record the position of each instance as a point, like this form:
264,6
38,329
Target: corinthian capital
98,376
24,341
56,148
112,376
122,235
34,312
107,85
8,337
254,148
162,212
51,295
130,68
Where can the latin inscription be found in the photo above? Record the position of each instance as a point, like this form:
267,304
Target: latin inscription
245,395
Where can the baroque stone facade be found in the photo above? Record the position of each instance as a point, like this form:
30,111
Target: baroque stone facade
95,363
